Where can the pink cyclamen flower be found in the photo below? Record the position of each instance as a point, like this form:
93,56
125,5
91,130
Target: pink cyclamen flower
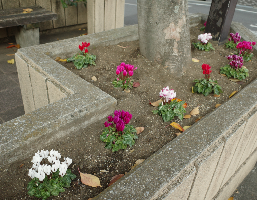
253,43
167,94
131,73
117,71
204,38
205,23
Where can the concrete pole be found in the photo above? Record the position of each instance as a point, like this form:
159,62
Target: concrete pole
164,33
220,18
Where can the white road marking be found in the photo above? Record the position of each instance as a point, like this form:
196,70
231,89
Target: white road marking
131,4
253,25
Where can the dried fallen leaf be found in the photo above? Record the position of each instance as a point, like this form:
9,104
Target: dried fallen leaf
195,111
179,100
217,105
230,198
122,47
136,84
27,10
195,60
187,116
240,82
17,46
223,74
177,126
104,171
198,119
127,90
138,162
94,78
178,134
21,165
232,94
140,129
234,79
63,60
90,180
192,89
10,46
186,127
156,103
132,150
79,29
10,54
57,58
90,199
216,95
11,61
115,178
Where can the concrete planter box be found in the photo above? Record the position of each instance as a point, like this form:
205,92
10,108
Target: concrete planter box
208,161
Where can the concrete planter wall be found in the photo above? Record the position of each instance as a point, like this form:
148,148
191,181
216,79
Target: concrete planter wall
208,161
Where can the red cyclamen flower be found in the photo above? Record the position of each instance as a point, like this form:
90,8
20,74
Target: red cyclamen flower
206,69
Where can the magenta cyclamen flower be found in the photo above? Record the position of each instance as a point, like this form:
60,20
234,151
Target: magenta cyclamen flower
237,61
120,119
125,69
235,37
244,47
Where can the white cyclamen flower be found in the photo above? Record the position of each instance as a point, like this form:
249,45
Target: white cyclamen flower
44,154
37,158
63,168
167,94
40,176
32,173
204,37
55,167
47,169
55,154
68,161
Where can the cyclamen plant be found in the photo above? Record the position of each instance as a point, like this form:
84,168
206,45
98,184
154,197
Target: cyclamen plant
49,180
203,28
204,43
124,72
117,133
206,85
170,106
83,59
235,68
245,50
233,40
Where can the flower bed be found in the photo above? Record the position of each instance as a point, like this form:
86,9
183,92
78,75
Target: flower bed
87,146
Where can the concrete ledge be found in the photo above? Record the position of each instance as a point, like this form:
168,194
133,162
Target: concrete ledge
207,161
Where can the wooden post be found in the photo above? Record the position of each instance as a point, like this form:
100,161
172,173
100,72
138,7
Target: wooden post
220,18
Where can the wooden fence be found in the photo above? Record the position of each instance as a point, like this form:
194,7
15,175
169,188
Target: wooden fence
66,17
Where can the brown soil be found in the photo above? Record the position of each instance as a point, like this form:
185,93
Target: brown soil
86,149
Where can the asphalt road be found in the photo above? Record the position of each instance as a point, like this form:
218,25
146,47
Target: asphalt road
246,15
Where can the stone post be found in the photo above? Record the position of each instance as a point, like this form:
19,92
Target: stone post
164,33
220,18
